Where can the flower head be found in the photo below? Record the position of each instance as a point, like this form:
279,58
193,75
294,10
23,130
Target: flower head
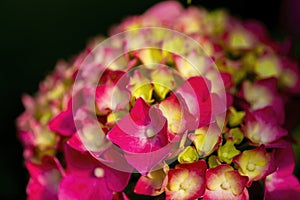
193,108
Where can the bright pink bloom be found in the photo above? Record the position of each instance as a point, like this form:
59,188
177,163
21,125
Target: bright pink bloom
88,178
262,128
111,94
143,136
255,163
143,131
186,181
223,182
261,94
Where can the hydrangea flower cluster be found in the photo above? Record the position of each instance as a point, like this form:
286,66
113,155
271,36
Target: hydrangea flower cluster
164,127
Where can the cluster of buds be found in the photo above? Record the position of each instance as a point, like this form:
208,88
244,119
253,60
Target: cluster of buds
177,104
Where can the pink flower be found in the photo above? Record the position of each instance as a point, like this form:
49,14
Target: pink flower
223,182
44,179
88,178
165,99
144,130
153,183
186,181
143,136
261,94
111,94
255,163
262,128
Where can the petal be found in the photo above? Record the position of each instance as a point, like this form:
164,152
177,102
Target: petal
177,114
82,164
140,112
159,11
220,194
196,94
236,181
74,187
206,139
63,123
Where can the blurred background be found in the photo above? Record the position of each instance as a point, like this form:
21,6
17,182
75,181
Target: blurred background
35,34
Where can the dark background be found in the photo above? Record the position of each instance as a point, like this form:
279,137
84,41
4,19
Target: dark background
34,34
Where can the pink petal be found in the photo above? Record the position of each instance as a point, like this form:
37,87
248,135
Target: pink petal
76,143
220,194
215,178
140,112
173,8
84,188
196,94
63,123
82,164
262,128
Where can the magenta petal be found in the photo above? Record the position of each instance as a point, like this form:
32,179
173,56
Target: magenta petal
140,112
82,164
144,186
63,123
196,92
125,141
79,163
83,188
285,160
76,143
117,180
